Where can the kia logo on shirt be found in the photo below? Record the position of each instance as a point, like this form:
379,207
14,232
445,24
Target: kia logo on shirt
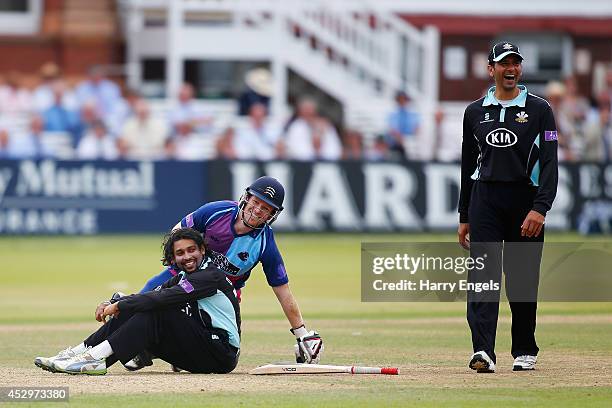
501,137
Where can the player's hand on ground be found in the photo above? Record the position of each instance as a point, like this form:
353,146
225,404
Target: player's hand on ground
111,310
533,224
464,235
309,348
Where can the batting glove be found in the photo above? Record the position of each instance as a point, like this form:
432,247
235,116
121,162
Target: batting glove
309,346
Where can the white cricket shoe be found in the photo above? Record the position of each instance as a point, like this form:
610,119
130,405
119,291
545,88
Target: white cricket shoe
523,363
46,363
482,363
83,363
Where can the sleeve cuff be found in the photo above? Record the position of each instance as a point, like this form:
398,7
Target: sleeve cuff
540,208
463,217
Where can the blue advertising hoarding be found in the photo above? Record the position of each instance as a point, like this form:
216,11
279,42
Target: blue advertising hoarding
76,197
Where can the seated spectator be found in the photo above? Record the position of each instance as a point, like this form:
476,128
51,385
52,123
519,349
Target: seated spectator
258,138
87,116
597,143
102,92
259,90
188,145
186,110
310,136
379,150
14,99
554,93
225,144
44,96
573,111
4,145
124,110
58,117
143,136
30,145
402,124
97,144
352,145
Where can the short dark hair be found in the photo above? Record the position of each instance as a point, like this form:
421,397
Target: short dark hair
177,235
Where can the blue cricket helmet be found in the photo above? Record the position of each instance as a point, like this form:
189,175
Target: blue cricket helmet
269,190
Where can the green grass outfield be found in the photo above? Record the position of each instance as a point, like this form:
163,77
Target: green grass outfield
49,287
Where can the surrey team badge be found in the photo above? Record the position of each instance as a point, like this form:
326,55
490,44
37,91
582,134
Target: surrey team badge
521,117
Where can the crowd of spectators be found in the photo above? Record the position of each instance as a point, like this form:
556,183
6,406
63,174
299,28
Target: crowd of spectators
95,120
585,129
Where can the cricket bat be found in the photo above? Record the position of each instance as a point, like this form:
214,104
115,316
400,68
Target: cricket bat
269,369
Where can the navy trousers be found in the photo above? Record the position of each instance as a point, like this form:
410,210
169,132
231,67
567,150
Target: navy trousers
172,335
496,213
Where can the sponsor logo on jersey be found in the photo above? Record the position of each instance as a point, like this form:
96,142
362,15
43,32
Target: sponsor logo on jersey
550,135
501,137
243,256
521,117
221,262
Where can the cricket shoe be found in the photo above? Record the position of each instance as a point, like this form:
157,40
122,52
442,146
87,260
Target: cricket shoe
524,363
83,363
46,363
482,363
142,360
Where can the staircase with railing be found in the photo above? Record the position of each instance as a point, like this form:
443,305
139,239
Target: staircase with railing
359,55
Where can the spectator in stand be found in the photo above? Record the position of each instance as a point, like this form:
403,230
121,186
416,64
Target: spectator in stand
186,110
597,143
554,93
124,111
259,90
225,144
258,138
608,89
30,145
379,150
14,99
352,146
87,116
97,144
187,144
310,136
4,145
104,93
58,117
574,109
402,125
143,136
44,96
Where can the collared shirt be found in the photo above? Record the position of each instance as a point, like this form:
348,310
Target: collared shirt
512,143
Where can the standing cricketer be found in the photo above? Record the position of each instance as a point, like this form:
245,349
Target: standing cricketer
508,183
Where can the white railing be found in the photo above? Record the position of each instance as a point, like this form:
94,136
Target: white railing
359,53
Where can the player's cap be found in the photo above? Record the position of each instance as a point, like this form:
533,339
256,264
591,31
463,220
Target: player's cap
502,50
269,190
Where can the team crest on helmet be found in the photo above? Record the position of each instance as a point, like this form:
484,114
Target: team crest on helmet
507,46
521,117
269,191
